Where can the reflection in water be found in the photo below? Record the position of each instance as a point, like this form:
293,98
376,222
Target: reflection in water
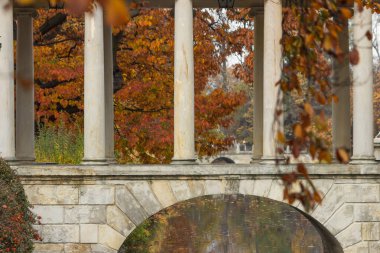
225,224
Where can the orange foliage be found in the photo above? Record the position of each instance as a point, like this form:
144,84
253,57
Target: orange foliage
143,82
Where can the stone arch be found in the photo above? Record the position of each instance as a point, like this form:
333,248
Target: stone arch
136,201
329,243
223,160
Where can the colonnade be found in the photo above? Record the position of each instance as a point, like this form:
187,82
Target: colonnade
17,118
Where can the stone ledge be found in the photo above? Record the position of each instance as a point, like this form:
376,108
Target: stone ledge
53,172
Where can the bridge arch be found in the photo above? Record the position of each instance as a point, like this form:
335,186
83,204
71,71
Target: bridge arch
223,160
138,201
327,242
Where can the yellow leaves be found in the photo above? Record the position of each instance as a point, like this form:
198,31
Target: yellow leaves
309,109
317,197
280,137
346,12
309,40
325,156
117,13
328,43
342,155
320,98
335,99
298,131
24,2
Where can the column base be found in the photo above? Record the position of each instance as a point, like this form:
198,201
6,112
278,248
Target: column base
21,161
363,160
97,162
255,160
272,160
111,160
184,162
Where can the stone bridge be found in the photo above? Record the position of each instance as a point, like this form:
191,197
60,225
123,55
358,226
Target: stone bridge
94,208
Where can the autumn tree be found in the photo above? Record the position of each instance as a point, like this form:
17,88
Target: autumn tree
143,81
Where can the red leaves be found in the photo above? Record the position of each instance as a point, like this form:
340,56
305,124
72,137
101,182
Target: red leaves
16,231
354,56
309,35
303,191
369,36
78,7
302,170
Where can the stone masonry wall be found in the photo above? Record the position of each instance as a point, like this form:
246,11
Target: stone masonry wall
94,209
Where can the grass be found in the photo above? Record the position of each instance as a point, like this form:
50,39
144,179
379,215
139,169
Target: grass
59,145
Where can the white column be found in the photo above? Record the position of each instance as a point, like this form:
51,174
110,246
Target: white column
184,150
272,73
94,89
258,87
363,121
24,88
108,80
7,120
341,117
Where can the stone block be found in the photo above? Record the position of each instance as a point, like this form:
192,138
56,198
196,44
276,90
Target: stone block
49,214
374,247
88,233
52,194
323,185
367,212
213,187
77,248
197,188
85,214
276,191
119,221
371,231
48,248
110,237
231,186
361,247
98,248
129,205
163,192
246,187
262,187
60,233
350,235
144,195
97,194
180,189
342,193
341,219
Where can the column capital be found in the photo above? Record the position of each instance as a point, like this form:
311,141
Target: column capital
25,12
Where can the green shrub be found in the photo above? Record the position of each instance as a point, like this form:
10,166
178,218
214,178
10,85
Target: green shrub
16,219
59,145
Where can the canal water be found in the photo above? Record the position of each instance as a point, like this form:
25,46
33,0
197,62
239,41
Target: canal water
225,224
